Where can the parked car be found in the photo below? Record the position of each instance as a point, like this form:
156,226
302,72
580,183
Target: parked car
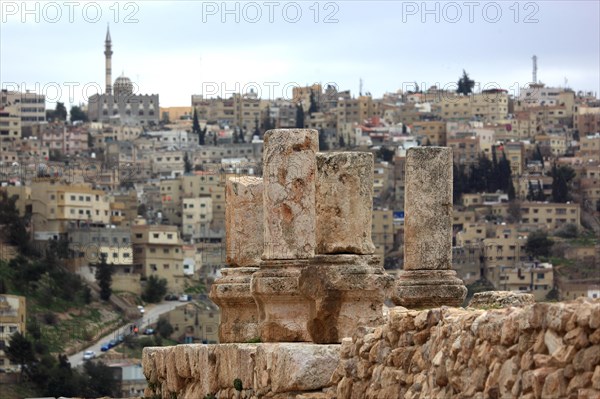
171,297
87,355
105,347
113,343
149,331
185,298
121,338
141,309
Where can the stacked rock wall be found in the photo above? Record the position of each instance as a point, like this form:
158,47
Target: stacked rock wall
539,351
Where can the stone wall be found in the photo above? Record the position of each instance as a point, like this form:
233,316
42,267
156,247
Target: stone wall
539,351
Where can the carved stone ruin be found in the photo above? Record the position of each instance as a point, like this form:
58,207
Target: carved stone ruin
289,173
302,267
244,246
427,279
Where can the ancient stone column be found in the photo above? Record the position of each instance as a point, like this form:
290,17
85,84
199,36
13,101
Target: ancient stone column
345,281
289,172
244,244
344,202
427,279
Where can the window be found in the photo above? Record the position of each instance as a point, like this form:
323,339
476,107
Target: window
138,235
540,275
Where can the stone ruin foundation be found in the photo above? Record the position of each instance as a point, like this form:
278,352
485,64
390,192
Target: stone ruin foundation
299,246
302,278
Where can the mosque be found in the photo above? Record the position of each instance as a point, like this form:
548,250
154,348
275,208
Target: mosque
120,103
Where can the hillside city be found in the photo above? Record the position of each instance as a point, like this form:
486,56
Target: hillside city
112,214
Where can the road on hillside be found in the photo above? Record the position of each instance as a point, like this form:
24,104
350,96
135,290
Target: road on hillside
152,313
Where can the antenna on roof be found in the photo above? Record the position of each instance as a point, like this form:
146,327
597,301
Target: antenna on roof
534,74
360,86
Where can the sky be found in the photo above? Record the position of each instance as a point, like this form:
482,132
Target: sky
177,49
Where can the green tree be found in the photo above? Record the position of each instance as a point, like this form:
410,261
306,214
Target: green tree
77,114
314,106
465,84
155,289
100,380
459,182
299,116
323,145
561,181
187,164
20,351
104,278
164,328
59,113
196,128
15,229
142,210
386,154
538,244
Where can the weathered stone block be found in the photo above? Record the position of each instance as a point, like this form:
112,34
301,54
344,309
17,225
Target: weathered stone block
283,311
295,367
346,291
500,299
428,209
239,311
344,199
289,160
244,220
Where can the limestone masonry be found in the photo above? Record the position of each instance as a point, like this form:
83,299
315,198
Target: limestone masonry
539,351
302,278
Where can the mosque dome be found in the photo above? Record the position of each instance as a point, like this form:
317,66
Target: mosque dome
123,86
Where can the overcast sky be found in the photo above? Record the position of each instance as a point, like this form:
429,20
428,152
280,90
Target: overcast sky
181,48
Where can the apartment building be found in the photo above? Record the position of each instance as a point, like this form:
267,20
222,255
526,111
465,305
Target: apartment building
432,131
586,120
10,123
487,106
168,164
468,262
355,110
30,107
465,150
197,217
54,206
90,242
13,319
158,249
589,147
552,215
533,278
515,154
382,231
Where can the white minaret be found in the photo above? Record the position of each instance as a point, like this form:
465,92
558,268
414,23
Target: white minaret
108,61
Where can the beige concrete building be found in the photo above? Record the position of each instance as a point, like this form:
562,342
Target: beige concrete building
586,120
159,251
589,147
383,231
488,106
547,215
31,107
10,123
54,206
173,114
195,322
434,131
536,279
465,151
13,319
197,217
